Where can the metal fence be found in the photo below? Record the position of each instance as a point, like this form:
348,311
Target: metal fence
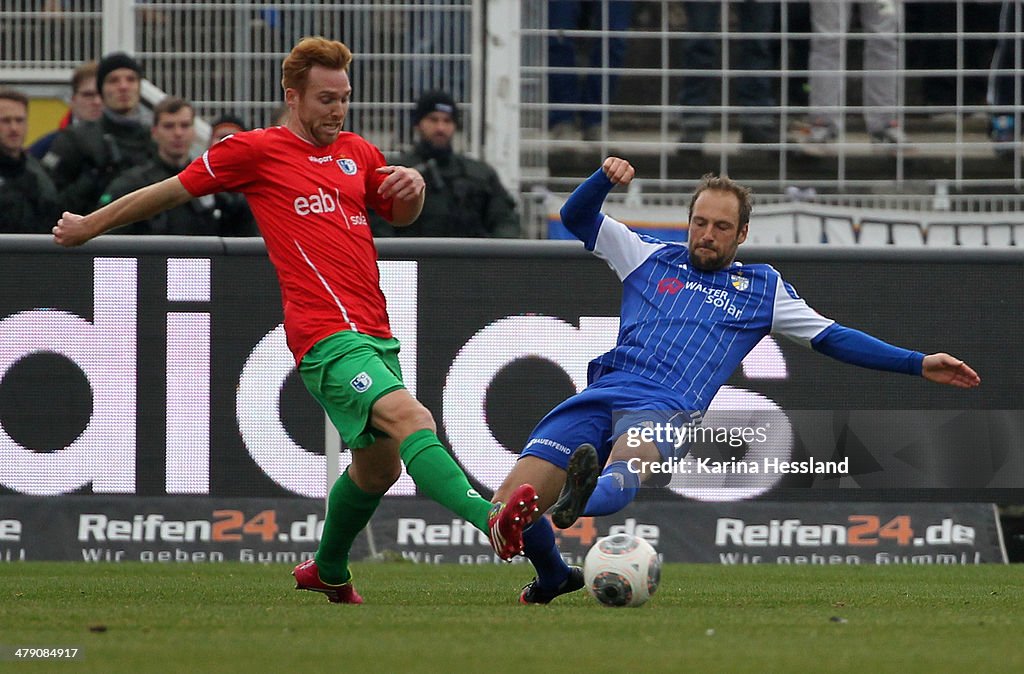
516,66
39,40
226,56
673,65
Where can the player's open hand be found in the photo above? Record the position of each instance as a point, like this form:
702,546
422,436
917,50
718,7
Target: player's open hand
943,368
619,171
71,230
403,183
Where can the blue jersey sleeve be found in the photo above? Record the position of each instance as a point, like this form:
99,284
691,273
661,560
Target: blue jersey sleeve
581,213
857,348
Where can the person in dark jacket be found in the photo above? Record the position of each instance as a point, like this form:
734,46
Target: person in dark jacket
28,199
465,198
234,215
174,132
86,105
86,157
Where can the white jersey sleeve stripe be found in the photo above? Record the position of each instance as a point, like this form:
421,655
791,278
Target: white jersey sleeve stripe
622,248
792,317
206,163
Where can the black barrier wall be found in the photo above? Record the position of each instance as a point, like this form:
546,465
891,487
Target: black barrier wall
157,367
248,530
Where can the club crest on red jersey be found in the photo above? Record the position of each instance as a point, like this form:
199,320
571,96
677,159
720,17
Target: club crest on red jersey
347,166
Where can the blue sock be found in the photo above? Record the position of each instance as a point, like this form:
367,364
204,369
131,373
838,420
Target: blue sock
616,489
539,547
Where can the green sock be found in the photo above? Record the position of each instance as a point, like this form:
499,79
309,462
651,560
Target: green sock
438,476
349,508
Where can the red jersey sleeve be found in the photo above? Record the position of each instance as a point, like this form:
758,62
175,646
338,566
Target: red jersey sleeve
228,166
374,160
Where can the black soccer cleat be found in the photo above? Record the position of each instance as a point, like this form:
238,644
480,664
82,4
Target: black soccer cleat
532,594
580,481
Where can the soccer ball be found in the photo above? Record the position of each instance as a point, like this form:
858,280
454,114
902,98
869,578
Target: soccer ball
622,570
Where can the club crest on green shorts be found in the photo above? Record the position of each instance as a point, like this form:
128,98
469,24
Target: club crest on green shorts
362,382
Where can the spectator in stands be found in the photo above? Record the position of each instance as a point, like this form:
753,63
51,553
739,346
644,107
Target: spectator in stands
1003,79
86,106
925,50
830,22
28,199
86,157
224,126
755,53
232,209
567,89
797,18
174,132
441,28
438,38
464,196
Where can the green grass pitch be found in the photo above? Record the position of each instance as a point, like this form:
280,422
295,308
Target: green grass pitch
420,618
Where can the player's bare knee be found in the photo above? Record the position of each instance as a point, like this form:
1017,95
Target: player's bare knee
403,417
638,459
388,477
415,417
379,478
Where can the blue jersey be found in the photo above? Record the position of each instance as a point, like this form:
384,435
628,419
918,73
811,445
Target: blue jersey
688,329
682,333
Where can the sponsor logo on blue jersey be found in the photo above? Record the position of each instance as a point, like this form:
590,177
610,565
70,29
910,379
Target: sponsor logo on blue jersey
670,285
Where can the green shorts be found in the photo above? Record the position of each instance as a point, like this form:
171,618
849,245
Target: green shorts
347,372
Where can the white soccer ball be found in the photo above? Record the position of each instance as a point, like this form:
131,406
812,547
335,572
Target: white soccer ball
622,570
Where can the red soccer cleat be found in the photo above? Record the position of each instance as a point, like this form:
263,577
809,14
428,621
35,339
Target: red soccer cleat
506,522
307,577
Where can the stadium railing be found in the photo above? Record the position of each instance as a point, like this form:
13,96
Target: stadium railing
494,57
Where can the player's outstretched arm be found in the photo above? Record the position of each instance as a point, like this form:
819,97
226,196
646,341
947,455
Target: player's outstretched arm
406,186
74,230
943,368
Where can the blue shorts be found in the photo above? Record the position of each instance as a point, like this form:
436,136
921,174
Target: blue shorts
604,411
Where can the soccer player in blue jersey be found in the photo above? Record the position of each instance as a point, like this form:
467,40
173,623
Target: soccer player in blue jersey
689,315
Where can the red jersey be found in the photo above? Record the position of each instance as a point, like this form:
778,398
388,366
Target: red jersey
310,204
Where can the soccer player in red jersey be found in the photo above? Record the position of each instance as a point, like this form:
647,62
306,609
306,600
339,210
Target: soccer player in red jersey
309,184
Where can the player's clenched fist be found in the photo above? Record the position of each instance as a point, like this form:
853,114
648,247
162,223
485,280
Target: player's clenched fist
619,171
402,183
71,230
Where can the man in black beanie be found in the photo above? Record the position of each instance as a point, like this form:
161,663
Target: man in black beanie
465,198
85,158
